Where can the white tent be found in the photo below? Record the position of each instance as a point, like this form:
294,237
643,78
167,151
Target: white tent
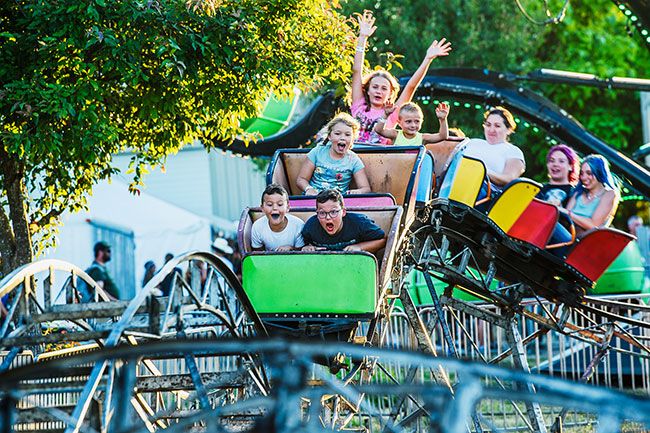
158,227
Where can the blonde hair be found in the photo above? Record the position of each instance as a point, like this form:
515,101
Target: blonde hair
411,107
394,85
347,120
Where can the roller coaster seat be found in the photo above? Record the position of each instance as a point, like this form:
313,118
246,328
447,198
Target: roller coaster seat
327,289
388,218
536,223
508,211
351,201
463,180
596,249
390,170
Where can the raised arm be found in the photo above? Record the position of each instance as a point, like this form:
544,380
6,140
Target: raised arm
366,29
380,128
442,111
436,49
304,176
514,168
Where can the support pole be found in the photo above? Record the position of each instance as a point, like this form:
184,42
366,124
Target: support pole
603,350
521,362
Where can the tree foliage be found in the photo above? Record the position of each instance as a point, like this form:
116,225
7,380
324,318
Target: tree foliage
83,79
493,34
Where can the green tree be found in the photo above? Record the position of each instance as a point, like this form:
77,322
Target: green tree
495,35
84,79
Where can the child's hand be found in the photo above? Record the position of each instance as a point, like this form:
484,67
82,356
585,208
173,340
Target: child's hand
442,111
389,107
284,248
352,248
441,48
366,24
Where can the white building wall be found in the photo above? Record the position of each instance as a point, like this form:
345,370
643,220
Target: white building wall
184,183
216,184
236,183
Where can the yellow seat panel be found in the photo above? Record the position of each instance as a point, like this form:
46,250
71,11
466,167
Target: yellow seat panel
467,181
512,203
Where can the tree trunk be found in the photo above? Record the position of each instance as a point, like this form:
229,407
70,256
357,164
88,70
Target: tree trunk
15,238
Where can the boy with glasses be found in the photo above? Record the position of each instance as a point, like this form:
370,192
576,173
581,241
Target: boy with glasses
332,228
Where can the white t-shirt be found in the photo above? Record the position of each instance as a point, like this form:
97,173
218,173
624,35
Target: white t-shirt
263,237
494,156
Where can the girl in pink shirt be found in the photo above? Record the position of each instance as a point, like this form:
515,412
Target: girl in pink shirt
374,97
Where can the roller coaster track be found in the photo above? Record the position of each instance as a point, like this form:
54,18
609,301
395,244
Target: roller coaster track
292,404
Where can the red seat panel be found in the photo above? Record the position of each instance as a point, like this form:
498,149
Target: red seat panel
596,250
535,225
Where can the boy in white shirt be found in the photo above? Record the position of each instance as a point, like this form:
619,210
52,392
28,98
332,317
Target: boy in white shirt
279,231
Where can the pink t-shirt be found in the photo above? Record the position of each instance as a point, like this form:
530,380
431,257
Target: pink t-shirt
368,120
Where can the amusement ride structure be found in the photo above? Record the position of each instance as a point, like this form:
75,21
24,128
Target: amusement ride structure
437,332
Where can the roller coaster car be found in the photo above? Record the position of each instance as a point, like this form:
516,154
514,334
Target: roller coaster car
513,234
391,172
323,293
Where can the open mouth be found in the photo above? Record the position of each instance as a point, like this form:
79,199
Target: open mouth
329,227
275,216
340,147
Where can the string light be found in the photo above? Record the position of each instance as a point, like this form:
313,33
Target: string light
634,19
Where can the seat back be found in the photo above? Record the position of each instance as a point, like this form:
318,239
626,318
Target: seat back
596,250
390,170
463,180
536,223
444,151
351,201
513,201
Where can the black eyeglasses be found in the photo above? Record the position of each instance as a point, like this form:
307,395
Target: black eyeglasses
321,214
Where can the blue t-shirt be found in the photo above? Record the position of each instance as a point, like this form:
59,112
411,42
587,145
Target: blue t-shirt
356,228
333,173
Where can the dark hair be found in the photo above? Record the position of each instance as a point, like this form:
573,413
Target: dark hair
330,194
168,257
572,158
101,246
274,188
508,118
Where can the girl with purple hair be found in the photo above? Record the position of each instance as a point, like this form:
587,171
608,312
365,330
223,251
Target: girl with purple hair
563,166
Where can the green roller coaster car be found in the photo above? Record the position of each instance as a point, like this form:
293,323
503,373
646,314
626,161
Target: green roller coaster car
275,116
320,284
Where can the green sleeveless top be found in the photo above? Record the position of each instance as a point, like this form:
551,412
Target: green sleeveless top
403,141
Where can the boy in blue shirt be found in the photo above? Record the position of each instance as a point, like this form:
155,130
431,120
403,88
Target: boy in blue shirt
332,228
